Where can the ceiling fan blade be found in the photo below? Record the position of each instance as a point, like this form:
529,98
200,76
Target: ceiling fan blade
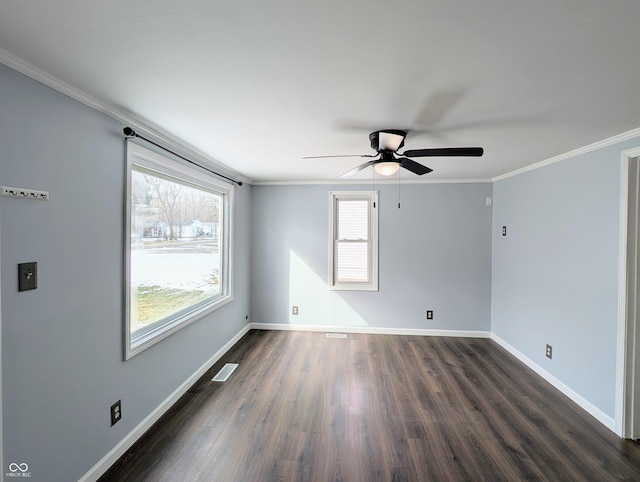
343,155
435,107
446,152
358,169
432,110
414,166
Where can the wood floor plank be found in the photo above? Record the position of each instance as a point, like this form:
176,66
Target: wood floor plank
303,407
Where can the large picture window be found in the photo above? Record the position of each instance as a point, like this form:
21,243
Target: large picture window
177,246
354,240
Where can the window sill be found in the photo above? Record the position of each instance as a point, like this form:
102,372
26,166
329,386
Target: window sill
139,342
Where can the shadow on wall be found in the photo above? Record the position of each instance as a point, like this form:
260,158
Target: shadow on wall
316,302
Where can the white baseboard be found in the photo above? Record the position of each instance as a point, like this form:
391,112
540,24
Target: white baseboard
594,411
370,330
110,458
118,451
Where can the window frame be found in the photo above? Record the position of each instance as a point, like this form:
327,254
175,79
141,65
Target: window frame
166,167
372,260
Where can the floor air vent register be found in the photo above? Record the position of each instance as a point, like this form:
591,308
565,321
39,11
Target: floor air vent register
225,372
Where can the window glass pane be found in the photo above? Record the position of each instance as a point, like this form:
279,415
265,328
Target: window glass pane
353,219
175,255
354,241
352,262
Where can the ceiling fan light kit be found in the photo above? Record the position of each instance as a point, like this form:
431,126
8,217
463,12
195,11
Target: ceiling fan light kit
387,142
387,168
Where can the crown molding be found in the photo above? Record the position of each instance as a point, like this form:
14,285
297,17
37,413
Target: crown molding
160,135
625,136
30,70
337,182
148,129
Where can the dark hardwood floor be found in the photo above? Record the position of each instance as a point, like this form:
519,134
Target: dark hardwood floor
375,408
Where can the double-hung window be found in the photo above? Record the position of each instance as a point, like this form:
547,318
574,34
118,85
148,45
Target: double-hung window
354,240
177,246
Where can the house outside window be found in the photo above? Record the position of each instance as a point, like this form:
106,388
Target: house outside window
177,246
354,240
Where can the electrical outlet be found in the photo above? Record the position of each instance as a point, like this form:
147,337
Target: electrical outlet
549,351
116,412
27,276
294,310
429,314
504,230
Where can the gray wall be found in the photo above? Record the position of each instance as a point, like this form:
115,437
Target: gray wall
62,343
435,253
555,274
553,279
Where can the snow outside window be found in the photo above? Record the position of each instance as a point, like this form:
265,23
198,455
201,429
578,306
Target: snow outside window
177,246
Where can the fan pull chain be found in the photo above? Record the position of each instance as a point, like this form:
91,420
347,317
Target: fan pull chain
398,188
373,185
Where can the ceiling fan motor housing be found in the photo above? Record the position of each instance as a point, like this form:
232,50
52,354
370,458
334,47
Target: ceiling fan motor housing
387,140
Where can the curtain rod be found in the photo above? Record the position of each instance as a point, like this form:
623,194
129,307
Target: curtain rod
129,132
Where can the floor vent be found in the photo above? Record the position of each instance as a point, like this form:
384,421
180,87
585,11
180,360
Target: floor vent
335,335
224,374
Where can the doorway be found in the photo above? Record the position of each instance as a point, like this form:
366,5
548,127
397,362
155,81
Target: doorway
628,367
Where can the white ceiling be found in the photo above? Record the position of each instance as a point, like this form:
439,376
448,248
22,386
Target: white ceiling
258,85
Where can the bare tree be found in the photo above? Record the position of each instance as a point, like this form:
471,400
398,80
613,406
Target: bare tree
167,196
201,205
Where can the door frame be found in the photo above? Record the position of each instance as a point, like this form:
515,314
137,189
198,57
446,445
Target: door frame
627,417
1,411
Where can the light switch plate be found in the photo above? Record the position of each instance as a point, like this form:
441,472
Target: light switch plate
27,276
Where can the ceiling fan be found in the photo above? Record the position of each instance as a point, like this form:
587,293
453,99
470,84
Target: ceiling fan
386,143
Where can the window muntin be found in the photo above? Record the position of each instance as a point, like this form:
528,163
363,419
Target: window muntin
177,246
354,243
